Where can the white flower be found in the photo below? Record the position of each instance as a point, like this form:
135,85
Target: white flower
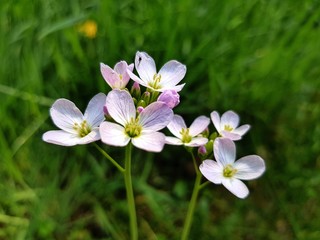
76,128
142,130
227,126
118,77
227,171
187,136
166,79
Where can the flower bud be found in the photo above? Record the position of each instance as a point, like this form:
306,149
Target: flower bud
135,90
170,97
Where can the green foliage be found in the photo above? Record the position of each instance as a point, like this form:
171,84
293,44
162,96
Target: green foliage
259,58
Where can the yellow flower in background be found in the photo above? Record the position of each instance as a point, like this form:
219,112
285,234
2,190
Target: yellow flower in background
88,28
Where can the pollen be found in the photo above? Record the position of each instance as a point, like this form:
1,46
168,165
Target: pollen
155,84
133,128
83,129
186,138
229,171
228,128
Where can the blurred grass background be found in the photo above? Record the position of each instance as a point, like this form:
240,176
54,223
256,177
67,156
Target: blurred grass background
259,58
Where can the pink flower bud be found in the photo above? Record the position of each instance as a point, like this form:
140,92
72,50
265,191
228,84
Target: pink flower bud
170,97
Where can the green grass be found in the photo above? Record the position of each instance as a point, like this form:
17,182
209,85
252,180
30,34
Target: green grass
259,58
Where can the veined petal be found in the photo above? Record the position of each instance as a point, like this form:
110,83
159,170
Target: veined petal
120,106
173,141
137,79
145,66
61,138
65,114
172,73
155,116
197,142
177,88
215,117
224,151
212,171
199,125
176,125
94,113
236,187
121,68
109,75
249,167
230,118
242,129
113,134
231,135
93,136
150,141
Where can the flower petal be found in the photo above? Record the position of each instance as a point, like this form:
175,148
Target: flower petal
212,171
65,114
232,136
176,125
121,68
93,136
137,79
236,187
109,75
61,138
120,106
230,118
94,113
216,120
173,141
197,142
176,88
145,66
242,129
249,167
224,151
113,134
172,73
151,141
199,125
155,116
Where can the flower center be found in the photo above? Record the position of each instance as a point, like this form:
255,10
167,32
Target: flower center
133,129
229,171
83,129
155,84
228,128
186,138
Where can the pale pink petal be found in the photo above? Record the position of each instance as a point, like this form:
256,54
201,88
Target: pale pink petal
113,134
176,88
109,75
242,129
232,136
235,186
212,171
94,113
230,118
137,79
197,142
93,136
61,137
145,66
249,167
199,125
120,106
155,116
216,120
151,141
176,125
224,151
65,114
121,68
173,141
172,73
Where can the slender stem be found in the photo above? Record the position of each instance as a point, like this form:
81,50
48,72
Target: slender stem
130,196
104,153
193,201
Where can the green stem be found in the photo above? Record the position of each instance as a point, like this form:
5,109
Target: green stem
104,153
193,201
130,196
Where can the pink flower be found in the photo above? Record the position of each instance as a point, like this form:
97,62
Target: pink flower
228,172
227,126
76,127
141,130
169,97
118,77
166,79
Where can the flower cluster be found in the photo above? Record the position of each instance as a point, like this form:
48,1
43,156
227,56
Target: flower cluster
137,112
